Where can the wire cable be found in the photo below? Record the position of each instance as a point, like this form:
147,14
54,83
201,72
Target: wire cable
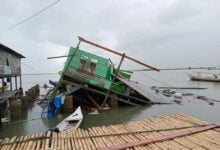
177,76
144,74
27,66
28,18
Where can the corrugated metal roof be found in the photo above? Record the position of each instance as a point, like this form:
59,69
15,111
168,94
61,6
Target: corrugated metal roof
148,93
11,51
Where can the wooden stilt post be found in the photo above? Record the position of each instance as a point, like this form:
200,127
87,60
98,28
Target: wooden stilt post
20,81
116,74
20,88
11,84
0,115
16,84
3,84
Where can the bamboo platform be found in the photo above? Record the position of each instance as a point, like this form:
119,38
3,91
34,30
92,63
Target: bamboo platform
178,131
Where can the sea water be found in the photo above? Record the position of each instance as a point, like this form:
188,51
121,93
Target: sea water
193,107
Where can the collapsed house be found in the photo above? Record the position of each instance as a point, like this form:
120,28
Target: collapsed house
93,82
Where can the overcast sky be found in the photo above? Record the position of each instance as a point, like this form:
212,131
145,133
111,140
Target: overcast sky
162,33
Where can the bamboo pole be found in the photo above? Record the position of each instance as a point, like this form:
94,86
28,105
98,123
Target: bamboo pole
117,53
160,139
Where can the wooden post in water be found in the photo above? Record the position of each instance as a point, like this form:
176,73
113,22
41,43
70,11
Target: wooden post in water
0,115
2,84
11,84
116,74
20,81
20,87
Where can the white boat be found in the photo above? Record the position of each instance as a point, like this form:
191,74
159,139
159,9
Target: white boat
73,121
198,77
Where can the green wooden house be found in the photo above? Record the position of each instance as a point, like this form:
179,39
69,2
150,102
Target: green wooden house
94,70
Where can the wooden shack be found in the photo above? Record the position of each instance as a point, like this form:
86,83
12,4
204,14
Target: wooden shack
10,75
10,66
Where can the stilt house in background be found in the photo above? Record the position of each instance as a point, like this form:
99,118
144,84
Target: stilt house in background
10,67
10,74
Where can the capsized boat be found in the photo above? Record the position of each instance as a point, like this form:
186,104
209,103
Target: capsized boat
73,121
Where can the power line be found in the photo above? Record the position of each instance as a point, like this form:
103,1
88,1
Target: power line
173,69
153,79
27,66
40,74
28,18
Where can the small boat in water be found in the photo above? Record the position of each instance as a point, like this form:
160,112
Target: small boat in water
199,77
73,121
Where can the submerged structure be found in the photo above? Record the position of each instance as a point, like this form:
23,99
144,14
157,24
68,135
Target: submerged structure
94,82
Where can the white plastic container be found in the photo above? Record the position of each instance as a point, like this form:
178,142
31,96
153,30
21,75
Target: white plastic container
178,95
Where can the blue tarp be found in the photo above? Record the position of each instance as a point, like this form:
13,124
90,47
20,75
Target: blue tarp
57,102
53,106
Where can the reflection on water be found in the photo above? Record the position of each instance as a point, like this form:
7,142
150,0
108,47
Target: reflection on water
112,116
196,108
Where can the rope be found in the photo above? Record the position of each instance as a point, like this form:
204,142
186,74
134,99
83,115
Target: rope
104,135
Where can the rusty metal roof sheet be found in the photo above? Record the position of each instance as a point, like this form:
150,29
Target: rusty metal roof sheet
147,92
6,48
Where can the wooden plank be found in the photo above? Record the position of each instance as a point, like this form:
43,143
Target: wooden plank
83,139
162,138
47,140
29,143
103,93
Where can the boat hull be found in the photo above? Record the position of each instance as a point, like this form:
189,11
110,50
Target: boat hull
72,122
205,79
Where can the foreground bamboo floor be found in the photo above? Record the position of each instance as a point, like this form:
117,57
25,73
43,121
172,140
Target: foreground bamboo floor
106,136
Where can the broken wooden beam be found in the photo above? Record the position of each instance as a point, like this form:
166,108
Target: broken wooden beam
117,53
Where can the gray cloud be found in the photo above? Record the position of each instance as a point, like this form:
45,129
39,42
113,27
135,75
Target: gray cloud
162,33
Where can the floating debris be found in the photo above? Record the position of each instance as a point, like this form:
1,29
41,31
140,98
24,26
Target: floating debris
95,112
178,95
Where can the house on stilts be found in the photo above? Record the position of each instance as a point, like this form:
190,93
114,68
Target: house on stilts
10,76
